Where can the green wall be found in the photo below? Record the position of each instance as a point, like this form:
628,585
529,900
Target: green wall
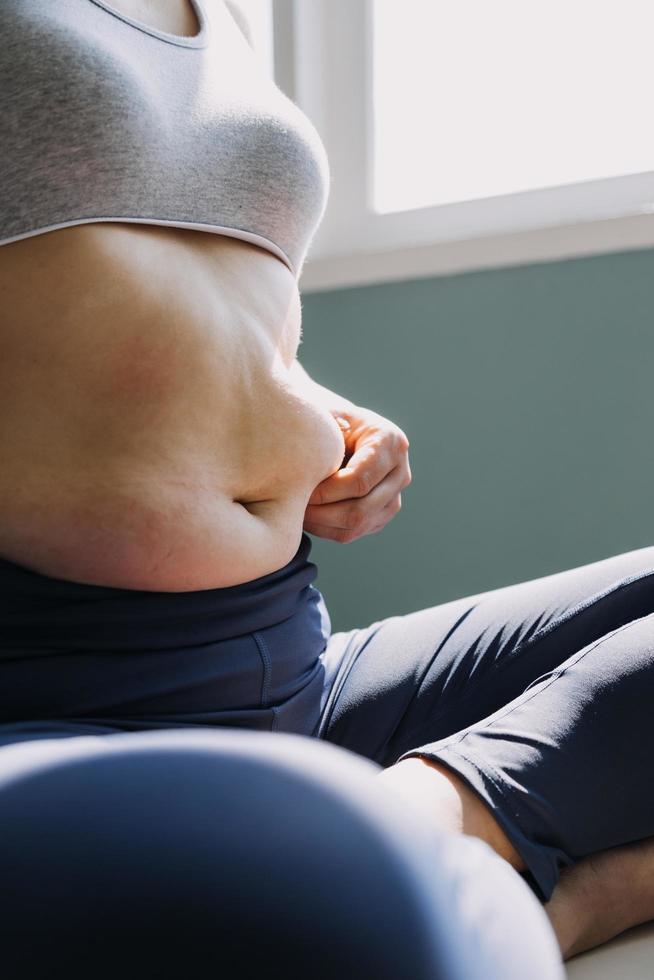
527,396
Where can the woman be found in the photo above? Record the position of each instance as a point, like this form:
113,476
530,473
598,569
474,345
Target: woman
164,454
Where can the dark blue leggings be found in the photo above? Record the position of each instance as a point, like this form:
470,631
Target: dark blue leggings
538,695
180,855
209,848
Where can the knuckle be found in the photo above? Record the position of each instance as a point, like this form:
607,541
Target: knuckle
355,515
363,483
401,440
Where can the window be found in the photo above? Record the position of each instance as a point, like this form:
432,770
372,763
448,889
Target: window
468,134
259,15
474,98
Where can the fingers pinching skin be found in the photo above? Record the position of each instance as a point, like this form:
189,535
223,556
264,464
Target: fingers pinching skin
364,495
352,518
367,467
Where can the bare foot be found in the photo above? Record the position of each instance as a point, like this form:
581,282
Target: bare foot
602,895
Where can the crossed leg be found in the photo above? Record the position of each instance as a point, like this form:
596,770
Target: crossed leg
594,900
527,725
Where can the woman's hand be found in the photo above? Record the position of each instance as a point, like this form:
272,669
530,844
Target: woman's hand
365,494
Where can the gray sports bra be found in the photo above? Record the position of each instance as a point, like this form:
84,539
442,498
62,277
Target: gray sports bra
103,118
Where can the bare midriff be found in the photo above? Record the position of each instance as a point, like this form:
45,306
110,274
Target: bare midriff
154,433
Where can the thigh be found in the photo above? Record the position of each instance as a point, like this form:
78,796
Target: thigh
187,854
566,766
412,679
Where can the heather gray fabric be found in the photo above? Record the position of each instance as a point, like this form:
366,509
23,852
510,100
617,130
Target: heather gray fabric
105,118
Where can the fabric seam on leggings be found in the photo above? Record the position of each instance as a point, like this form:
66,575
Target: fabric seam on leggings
344,673
266,660
520,650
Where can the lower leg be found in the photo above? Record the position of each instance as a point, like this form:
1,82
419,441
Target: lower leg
594,900
451,802
602,895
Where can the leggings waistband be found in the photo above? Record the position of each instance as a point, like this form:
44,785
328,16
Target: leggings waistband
228,656
37,611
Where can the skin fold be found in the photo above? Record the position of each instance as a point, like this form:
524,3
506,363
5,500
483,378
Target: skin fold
158,432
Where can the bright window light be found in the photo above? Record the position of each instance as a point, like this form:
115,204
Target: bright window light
259,15
476,98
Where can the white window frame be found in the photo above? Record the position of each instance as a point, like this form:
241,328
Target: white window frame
323,63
